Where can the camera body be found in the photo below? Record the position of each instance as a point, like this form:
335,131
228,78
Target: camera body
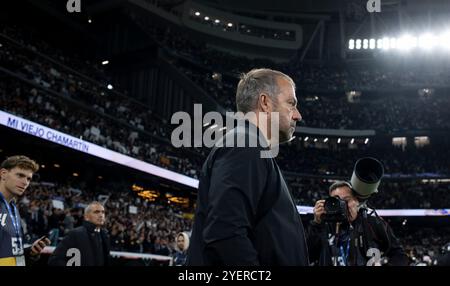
335,210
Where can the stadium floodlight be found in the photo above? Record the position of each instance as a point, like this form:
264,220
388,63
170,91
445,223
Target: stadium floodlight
197,13
206,18
444,40
379,43
365,44
230,25
351,44
427,41
406,42
372,44
217,21
105,62
110,86
386,44
358,44
393,43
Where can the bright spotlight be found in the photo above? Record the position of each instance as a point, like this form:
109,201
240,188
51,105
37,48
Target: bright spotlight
206,18
217,21
386,43
365,44
379,43
352,141
427,41
110,86
444,40
230,25
393,43
351,44
372,44
197,13
358,44
407,42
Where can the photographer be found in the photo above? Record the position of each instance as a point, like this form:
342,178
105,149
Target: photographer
355,236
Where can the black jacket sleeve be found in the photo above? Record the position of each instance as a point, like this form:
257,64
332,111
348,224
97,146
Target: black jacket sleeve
315,235
59,256
395,253
238,179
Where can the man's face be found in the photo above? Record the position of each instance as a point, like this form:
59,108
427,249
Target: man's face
286,106
345,194
96,215
180,242
16,180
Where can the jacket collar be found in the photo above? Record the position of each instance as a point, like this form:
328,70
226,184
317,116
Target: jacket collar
89,226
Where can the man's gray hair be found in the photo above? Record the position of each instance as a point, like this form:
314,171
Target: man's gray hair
88,209
255,82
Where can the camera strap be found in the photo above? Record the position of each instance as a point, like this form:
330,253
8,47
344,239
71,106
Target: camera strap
344,254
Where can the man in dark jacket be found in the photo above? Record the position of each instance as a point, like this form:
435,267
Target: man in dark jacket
245,213
87,245
364,240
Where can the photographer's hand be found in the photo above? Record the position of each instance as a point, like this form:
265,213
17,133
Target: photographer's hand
319,210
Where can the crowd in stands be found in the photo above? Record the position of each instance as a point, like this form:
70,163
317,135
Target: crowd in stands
424,245
28,64
384,112
77,102
151,229
392,194
30,102
216,72
339,161
309,77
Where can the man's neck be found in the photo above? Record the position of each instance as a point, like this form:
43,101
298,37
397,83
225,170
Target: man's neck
262,127
7,195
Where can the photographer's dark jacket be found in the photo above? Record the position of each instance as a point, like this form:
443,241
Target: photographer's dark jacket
93,246
367,233
245,213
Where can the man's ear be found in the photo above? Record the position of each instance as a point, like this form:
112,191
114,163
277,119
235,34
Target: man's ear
265,102
3,173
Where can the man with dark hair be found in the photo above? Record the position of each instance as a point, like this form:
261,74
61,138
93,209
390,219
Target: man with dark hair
16,173
364,239
87,245
245,213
